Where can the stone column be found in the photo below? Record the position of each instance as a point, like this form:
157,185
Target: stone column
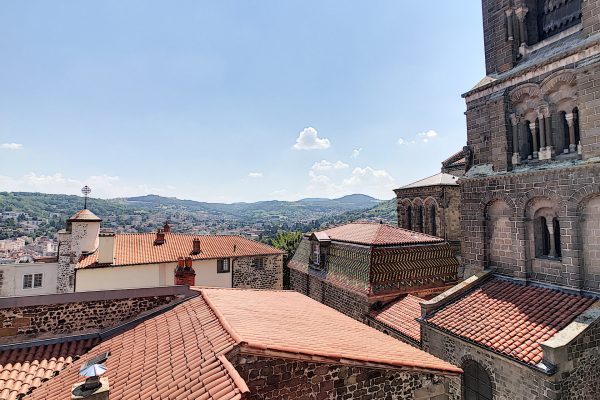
572,145
542,127
516,157
521,13
550,225
549,140
533,128
509,23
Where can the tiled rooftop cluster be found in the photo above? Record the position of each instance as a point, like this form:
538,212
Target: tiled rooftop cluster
374,234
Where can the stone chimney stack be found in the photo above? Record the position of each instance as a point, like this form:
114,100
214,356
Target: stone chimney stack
160,237
106,248
166,227
100,390
196,246
184,272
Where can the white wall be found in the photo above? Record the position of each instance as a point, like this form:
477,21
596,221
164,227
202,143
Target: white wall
148,275
12,280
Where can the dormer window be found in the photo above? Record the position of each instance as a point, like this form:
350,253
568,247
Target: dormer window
319,246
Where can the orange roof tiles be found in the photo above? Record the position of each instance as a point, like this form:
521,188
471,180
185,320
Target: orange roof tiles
374,234
24,369
296,324
401,315
509,318
139,248
175,355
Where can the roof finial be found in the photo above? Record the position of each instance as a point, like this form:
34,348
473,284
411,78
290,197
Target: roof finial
86,192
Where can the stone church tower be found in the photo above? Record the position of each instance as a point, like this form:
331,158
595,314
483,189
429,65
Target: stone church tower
80,237
531,195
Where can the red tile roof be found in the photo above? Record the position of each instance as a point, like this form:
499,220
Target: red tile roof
139,248
25,369
401,315
509,318
290,322
175,355
369,233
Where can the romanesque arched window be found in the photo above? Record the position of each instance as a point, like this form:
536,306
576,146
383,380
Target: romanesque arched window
409,217
477,384
546,234
432,221
420,219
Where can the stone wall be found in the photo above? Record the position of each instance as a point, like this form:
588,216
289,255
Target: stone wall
445,199
500,54
248,274
570,191
274,378
510,380
343,300
583,356
47,320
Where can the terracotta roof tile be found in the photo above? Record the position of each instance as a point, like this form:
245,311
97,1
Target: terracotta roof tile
401,315
24,369
139,248
296,324
510,318
369,233
173,355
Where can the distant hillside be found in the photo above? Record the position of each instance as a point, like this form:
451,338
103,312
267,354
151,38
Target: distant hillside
384,211
45,214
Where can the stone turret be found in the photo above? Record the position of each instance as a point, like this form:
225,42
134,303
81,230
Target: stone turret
80,237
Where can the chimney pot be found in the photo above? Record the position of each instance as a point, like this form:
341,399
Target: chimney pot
196,246
188,262
180,262
160,237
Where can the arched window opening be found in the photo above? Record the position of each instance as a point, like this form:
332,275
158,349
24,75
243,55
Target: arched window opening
565,135
409,218
477,384
432,221
420,227
547,234
526,142
576,125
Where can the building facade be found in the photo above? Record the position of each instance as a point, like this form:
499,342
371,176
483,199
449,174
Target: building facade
357,267
90,260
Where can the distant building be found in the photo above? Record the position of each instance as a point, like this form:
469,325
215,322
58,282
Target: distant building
29,279
357,267
177,343
93,260
432,205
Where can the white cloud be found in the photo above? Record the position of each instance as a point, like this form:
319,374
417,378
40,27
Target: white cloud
421,136
103,186
356,152
325,165
11,146
309,139
375,182
255,175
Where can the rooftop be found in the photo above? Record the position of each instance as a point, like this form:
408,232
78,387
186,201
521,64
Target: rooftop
181,353
401,315
441,179
374,234
509,318
139,248
85,215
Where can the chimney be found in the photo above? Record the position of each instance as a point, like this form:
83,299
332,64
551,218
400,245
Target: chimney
160,237
106,248
185,274
196,246
166,227
92,389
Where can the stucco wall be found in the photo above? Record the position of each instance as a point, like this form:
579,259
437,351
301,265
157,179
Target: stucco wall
11,281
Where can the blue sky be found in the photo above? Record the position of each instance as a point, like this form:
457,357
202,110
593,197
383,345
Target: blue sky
233,100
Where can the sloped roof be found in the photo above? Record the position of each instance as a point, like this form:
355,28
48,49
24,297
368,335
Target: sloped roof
25,369
290,322
509,318
441,179
455,160
139,248
84,216
175,355
374,234
401,315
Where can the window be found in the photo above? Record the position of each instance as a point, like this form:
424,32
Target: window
259,263
32,281
223,266
316,253
432,221
409,218
477,384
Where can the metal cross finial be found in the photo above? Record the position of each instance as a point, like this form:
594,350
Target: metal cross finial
86,192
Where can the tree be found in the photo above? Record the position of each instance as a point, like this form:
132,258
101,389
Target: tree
288,242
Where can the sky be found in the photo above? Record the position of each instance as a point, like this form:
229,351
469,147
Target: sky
229,101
